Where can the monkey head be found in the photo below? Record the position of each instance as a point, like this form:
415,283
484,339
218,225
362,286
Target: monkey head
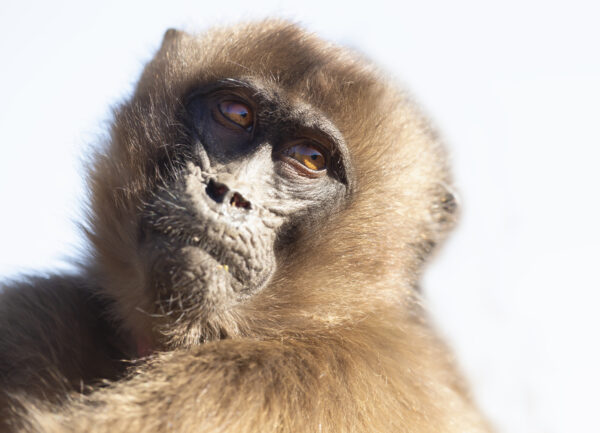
257,181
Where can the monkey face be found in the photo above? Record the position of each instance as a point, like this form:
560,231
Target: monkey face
256,176
241,182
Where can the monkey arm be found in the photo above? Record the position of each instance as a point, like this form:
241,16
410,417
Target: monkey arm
321,384
51,338
229,386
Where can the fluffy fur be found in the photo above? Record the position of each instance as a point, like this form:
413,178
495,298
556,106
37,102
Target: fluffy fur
336,342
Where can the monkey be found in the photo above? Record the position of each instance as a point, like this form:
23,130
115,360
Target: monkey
259,219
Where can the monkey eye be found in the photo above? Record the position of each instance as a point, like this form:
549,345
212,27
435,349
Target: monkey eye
237,113
308,155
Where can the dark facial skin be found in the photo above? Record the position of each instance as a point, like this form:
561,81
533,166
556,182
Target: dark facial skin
260,171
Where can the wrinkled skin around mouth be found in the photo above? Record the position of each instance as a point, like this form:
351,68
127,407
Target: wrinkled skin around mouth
203,256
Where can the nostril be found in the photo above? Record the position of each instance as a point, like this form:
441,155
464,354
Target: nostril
238,201
220,193
216,191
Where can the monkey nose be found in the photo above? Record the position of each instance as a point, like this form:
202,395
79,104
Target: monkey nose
221,193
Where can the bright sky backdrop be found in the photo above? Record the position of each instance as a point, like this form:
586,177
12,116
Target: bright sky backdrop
514,86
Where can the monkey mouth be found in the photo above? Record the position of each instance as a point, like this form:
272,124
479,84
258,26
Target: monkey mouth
198,255
207,259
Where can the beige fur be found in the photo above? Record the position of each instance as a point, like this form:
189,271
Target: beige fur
337,342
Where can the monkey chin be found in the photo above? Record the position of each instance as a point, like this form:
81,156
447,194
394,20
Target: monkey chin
193,288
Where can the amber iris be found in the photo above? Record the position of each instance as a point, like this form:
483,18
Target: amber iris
238,113
308,155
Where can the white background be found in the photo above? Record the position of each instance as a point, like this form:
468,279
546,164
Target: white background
513,86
